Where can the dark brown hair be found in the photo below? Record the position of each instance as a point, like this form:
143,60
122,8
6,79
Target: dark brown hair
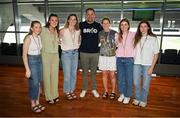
138,34
105,18
90,9
120,31
48,24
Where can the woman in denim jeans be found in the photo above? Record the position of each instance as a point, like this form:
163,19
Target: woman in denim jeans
146,55
70,41
125,61
33,65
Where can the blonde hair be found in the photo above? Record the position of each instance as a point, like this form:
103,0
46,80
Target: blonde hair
32,25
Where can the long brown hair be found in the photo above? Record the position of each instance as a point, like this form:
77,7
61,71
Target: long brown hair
139,34
48,24
67,23
120,31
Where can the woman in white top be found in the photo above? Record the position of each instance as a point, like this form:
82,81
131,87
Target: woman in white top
33,65
146,55
70,41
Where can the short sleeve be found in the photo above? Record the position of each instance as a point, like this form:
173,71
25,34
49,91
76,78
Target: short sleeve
155,46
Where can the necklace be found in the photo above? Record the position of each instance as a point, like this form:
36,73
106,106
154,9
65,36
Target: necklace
142,46
124,44
73,34
37,43
107,38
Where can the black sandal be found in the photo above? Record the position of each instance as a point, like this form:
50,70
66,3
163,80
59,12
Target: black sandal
56,100
69,96
36,109
50,101
112,96
105,95
41,107
73,95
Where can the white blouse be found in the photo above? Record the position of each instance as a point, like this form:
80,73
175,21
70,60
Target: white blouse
145,50
35,45
70,40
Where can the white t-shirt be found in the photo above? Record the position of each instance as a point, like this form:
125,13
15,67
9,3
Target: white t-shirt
145,50
35,45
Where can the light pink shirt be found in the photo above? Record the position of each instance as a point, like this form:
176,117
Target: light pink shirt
125,48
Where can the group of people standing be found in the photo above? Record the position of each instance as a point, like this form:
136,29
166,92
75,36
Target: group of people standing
130,54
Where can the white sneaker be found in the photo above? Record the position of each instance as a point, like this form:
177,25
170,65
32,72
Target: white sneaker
135,102
126,100
95,93
83,93
121,98
142,104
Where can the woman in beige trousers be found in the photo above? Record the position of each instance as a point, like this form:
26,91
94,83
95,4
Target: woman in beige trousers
50,59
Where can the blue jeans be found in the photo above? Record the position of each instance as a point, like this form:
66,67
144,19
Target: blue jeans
69,64
141,93
35,81
125,75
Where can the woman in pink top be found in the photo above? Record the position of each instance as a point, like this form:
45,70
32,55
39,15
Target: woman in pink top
124,62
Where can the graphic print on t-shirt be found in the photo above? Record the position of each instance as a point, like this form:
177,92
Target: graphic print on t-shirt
90,30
